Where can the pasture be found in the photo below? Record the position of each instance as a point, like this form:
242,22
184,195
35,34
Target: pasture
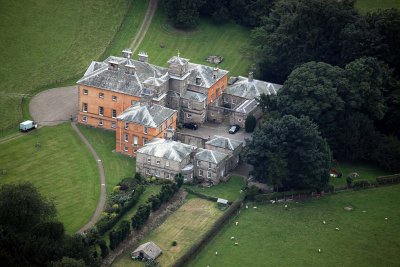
371,5
57,162
185,225
46,43
229,190
273,235
228,40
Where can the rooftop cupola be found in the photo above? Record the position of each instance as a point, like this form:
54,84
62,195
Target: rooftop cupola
127,53
250,78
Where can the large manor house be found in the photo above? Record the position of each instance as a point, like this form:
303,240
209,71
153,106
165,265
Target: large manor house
143,102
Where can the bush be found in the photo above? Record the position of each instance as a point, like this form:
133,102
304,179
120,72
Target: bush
174,243
252,192
388,179
250,123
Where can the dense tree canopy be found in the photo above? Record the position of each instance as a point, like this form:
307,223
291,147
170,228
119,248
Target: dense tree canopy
30,236
183,13
289,152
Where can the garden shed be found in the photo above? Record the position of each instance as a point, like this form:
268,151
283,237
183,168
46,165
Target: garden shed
147,251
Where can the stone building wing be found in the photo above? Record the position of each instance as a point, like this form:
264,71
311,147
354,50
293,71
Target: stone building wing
223,142
148,250
247,106
167,149
194,96
251,88
147,115
210,156
204,75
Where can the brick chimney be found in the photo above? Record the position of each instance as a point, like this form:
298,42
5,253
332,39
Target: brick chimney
215,72
113,65
250,79
143,57
127,53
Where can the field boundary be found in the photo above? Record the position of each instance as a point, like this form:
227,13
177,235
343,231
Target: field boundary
208,236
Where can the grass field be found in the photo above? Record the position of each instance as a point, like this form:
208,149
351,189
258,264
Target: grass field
62,168
116,166
46,42
370,5
227,40
274,236
229,190
185,226
365,171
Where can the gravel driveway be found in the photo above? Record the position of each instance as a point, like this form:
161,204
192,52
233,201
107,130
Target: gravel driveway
54,106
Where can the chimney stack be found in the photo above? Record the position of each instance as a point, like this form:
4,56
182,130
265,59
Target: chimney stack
143,57
250,79
113,65
127,53
198,80
215,72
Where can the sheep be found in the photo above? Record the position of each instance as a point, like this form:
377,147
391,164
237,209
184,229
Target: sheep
324,222
272,201
386,218
337,228
364,211
285,206
247,207
237,223
232,237
319,250
236,243
216,252
255,207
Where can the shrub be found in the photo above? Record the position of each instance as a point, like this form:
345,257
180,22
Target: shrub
388,179
116,189
361,183
250,123
252,192
174,243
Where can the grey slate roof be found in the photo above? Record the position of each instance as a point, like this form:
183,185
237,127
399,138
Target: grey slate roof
167,149
194,96
157,81
210,156
205,73
178,60
247,106
150,249
251,89
151,116
224,142
98,75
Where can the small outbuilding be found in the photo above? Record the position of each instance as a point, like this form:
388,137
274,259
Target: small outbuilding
147,251
222,201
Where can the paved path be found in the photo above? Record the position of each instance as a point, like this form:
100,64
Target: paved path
151,9
103,196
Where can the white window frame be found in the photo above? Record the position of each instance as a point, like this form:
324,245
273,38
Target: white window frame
149,160
84,119
208,174
209,165
135,140
85,107
114,98
145,129
158,162
144,140
239,120
201,173
126,137
157,174
85,91
114,113
148,171
113,124
101,95
167,163
126,149
101,111
101,122
190,103
167,175
133,102
126,126
198,163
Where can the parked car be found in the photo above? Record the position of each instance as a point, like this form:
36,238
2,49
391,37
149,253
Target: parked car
234,128
190,125
27,126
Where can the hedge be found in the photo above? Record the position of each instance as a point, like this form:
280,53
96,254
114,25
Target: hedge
201,195
215,228
395,178
105,223
280,195
361,183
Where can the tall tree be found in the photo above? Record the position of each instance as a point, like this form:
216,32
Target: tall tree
183,13
290,152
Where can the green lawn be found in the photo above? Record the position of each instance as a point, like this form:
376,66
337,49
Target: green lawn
185,225
365,171
44,43
150,190
228,40
229,190
62,168
116,166
371,5
273,235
